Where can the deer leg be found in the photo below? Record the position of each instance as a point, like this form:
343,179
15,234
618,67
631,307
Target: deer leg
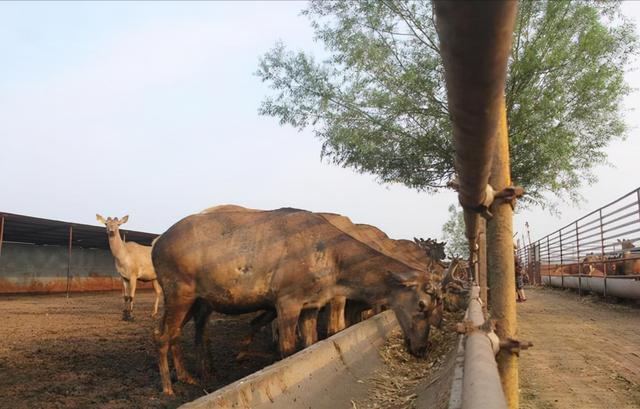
181,372
288,314
309,326
336,315
201,316
256,324
125,291
177,307
133,281
158,290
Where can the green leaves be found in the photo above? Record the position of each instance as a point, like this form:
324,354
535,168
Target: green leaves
564,92
378,102
453,232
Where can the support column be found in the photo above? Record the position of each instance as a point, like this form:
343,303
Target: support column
1,233
482,262
69,259
501,265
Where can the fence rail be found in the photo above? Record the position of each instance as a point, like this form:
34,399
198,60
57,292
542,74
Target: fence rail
591,246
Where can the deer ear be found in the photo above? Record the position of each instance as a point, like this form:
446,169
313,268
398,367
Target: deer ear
100,219
124,220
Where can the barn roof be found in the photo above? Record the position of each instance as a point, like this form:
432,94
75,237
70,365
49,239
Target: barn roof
34,230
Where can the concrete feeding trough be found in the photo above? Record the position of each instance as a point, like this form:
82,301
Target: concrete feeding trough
336,372
617,286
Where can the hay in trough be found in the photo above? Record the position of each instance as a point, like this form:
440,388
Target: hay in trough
394,385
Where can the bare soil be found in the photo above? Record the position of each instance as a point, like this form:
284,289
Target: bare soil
78,353
586,352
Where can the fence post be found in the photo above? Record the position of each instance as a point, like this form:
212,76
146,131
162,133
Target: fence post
69,259
548,261
1,233
578,263
604,258
561,263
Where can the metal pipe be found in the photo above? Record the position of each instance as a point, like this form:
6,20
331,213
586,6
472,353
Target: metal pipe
561,261
579,262
501,265
638,199
481,382
604,259
548,260
69,259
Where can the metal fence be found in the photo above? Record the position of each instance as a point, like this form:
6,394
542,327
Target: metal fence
591,246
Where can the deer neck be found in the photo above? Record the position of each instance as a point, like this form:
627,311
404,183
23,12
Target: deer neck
117,246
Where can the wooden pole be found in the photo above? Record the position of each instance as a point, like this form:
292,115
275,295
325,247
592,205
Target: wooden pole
1,233
69,259
501,265
482,262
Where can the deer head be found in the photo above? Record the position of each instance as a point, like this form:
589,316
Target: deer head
626,244
112,224
433,249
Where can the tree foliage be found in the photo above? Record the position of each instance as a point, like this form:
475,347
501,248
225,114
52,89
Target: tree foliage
378,101
453,232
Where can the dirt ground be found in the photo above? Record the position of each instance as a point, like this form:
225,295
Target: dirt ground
78,353
586,352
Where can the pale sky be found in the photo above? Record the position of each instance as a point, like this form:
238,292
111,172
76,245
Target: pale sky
150,109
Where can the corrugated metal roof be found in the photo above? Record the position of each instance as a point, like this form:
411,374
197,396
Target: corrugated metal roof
34,230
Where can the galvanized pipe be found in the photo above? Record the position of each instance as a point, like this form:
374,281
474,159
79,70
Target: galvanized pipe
604,261
501,266
561,261
579,262
481,382
548,259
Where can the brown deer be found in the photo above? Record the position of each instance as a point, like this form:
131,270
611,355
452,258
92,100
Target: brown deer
287,260
133,263
630,263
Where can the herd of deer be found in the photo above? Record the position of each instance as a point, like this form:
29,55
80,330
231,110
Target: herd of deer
289,264
624,263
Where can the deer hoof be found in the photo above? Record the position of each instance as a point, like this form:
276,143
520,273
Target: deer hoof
186,378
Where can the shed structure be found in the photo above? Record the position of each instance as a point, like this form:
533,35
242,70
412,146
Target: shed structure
47,256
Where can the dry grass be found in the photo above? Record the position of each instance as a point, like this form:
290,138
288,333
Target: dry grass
394,385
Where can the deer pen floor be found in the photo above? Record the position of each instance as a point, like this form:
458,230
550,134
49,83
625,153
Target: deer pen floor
78,353
586,352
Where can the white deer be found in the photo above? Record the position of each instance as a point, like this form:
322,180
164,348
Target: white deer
133,263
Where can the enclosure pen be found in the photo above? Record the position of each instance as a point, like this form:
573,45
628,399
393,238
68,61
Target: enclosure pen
595,253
